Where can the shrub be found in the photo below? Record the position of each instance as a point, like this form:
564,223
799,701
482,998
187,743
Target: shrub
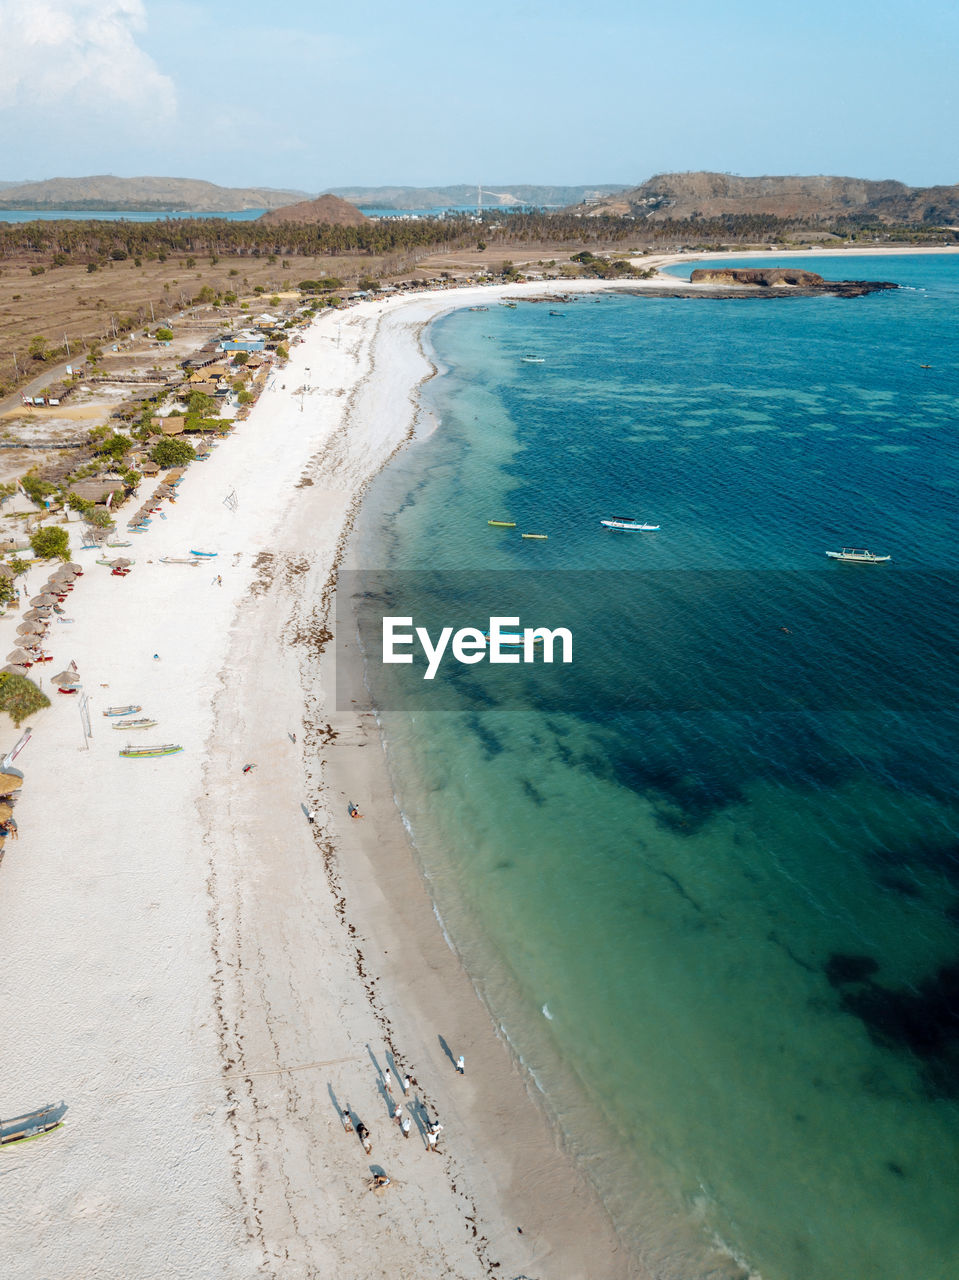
49,543
164,335
20,697
172,453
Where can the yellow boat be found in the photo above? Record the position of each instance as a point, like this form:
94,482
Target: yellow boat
502,524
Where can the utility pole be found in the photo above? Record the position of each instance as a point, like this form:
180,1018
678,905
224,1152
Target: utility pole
152,316
66,343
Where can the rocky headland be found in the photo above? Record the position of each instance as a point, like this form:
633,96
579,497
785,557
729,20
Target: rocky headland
785,281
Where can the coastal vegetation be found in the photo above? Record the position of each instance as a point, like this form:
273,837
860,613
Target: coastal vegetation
20,697
50,543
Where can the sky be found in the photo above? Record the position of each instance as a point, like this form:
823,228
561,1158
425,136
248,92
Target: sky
311,94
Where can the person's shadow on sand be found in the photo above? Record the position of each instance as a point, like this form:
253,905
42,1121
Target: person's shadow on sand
447,1050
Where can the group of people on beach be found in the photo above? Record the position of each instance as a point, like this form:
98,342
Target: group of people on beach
431,1128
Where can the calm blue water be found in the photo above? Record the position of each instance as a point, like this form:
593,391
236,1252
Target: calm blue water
117,215
720,926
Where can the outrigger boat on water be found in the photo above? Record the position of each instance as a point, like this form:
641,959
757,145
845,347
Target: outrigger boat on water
123,711
142,723
502,524
856,555
626,524
512,639
32,1125
533,359
136,753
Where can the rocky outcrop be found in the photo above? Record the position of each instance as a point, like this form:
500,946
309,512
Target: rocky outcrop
329,210
762,276
786,279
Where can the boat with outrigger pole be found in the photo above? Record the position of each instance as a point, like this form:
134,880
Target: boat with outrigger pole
32,1125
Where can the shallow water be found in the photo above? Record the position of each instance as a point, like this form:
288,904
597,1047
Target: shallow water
708,887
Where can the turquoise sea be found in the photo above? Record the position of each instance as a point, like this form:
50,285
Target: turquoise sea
707,885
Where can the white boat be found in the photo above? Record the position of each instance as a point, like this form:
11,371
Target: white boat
534,359
856,555
512,639
625,524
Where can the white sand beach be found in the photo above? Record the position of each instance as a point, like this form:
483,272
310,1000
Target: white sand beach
205,978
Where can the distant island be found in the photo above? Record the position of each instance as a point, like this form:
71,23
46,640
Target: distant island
136,194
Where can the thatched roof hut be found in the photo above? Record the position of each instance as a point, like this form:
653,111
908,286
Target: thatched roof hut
10,782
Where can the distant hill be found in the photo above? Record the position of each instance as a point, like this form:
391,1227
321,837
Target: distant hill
710,195
498,194
326,209
108,192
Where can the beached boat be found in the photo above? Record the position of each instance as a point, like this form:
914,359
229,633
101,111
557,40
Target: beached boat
533,359
207,555
535,537
179,560
142,723
32,1125
137,753
626,524
502,524
856,555
131,710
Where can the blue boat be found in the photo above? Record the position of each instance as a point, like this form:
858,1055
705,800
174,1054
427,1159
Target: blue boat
208,555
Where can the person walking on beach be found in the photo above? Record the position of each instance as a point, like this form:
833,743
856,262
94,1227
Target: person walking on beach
461,1065
311,817
364,1136
406,1084
406,1125
398,1114
431,1141
347,1121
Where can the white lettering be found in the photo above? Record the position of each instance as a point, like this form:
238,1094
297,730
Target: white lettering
434,656
531,634
496,639
469,645
390,638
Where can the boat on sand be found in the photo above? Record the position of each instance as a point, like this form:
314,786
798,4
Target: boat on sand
136,753
123,711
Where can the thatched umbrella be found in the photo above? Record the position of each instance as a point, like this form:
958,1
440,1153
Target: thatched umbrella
28,629
6,811
37,615
18,658
45,597
121,562
66,677
75,568
14,670
9,782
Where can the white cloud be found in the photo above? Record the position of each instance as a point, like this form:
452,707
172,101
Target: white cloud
79,54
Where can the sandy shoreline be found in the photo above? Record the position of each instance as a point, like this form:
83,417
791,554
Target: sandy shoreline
202,976
183,976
